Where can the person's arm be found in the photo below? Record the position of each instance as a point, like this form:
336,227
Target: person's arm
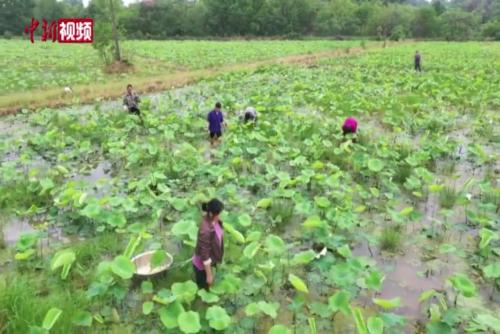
210,276
137,99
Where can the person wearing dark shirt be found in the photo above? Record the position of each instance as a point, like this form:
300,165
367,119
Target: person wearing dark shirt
215,121
250,115
131,101
418,61
209,249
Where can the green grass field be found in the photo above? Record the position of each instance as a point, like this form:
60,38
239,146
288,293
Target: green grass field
26,66
407,213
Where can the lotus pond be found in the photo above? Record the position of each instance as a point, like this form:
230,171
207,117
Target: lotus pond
394,232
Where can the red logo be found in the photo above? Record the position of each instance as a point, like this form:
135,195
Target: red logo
73,30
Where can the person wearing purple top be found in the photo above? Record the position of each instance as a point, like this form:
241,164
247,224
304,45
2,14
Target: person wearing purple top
350,126
209,249
418,60
215,120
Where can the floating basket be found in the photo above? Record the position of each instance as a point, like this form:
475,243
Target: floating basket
143,266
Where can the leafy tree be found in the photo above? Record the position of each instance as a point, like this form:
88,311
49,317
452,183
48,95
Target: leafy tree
73,8
439,8
106,33
15,15
426,23
160,19
233,17
455,19
386,19
337,17
49,10
364,13
491,30
293,16
459,25
398,33
194,19
217,12
74,2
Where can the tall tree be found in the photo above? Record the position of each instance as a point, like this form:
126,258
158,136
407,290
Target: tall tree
112,11
459,24
288,16
106,33
73,8
392,18
74,2
337,17
439,7
426,23
217,13
49,10
15,15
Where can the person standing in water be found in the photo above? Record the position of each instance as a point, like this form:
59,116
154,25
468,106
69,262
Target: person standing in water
418,62
215,121
209,249
250,115
131,101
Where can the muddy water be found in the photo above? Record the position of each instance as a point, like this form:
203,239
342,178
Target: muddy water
407,276
99,178
99,172
420,266
13,230
10,125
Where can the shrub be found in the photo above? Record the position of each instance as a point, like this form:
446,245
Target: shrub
402,173
390,239
398,33
2,239
281,210
491,30
449,167
7,34
447,197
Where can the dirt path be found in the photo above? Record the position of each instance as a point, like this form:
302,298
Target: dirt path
83,94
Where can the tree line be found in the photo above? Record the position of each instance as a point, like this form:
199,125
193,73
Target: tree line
383,19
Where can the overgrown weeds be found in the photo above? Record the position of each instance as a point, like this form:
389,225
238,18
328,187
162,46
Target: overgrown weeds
281,210
390,239
2,239
447,197
402,173
25,299
449,167
94,250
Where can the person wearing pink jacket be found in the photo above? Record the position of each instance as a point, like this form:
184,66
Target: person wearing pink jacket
350,126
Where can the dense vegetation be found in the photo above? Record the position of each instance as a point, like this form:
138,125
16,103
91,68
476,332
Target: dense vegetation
408,213
396,19
61,65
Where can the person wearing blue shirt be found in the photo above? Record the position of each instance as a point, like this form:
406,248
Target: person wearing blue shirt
215,120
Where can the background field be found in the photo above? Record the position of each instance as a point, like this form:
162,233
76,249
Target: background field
26,66
408,213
